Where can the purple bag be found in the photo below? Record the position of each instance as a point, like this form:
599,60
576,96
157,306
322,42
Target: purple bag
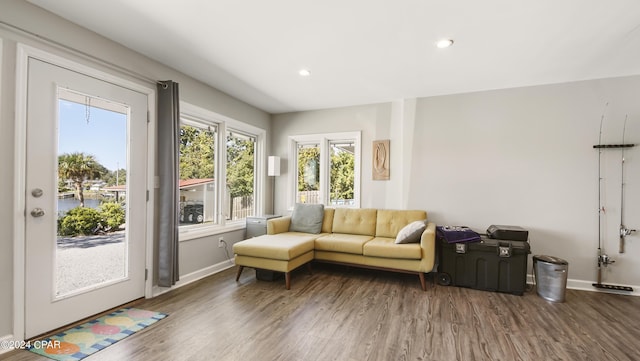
456,234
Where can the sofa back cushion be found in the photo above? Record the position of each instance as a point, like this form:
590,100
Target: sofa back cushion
327,222
307,218
355,221
390,222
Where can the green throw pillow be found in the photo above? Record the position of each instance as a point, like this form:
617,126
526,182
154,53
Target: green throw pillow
307,218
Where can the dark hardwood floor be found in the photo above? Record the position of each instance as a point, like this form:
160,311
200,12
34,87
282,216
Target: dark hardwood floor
355,314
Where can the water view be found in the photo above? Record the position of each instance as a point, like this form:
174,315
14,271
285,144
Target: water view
65,204
92,154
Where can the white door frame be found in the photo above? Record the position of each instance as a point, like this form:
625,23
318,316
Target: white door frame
24,52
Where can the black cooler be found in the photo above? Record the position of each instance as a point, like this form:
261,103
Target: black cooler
490,264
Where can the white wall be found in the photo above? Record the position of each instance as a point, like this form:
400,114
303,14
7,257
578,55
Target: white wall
516,157
201,253
197,254
371,120
524,157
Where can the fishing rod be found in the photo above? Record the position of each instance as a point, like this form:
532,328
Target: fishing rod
604,259
624,231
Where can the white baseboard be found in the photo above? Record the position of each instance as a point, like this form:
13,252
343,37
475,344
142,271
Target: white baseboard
194,276
5,338
582,285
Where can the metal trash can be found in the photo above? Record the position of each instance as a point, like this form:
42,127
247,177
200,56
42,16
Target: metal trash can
550,277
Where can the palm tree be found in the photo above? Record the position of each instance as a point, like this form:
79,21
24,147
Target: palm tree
78,167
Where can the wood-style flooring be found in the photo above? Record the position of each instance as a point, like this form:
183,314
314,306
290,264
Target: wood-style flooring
351,314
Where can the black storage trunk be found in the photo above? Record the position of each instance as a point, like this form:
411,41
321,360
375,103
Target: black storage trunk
514,233
491,265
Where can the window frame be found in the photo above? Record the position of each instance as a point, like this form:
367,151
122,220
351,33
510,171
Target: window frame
324,140
203,117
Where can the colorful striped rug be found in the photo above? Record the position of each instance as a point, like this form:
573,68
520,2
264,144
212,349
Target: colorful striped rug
81,341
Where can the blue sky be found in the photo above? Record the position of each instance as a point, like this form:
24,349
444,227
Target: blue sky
104,136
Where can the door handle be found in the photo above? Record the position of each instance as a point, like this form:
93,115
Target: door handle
37,212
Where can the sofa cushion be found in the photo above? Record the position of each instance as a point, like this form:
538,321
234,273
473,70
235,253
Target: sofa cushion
390,222
387,248
278,225
307,218
411,232
361,221
340,242
283,246
327,222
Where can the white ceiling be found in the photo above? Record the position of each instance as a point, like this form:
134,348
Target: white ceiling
369,51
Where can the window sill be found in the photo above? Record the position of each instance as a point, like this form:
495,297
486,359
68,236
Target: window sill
208,231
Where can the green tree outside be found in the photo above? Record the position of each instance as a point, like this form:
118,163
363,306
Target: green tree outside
240,165
79,221
197,158
79,167
342,174
342,168
197,147
86,221
113,178
308,169
112,214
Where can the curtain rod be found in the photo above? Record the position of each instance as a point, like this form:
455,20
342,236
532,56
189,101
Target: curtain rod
82,54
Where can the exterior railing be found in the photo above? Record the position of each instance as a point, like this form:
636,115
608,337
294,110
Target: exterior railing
241,207
313,197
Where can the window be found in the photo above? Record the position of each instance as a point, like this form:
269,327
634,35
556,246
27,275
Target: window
197,172
326,169
342,168
240,175
219,175
308,183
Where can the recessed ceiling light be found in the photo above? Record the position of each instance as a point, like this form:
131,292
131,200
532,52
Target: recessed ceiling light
444,43
304,72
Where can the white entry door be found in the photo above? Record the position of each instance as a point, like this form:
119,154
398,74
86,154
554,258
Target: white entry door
90,135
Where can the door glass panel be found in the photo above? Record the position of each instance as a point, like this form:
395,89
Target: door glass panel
308,174
91,239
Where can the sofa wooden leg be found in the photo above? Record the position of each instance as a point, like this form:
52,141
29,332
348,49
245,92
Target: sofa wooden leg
240,268
423,283
309,268
287,280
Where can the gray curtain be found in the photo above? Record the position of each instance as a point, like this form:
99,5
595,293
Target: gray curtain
168,174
